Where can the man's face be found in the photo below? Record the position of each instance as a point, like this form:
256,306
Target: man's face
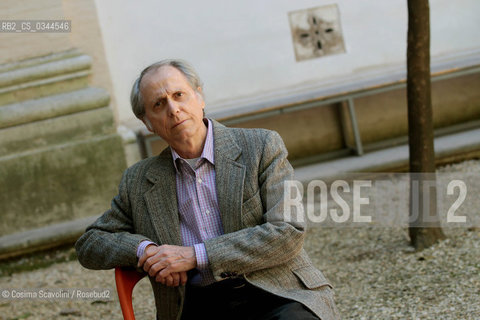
173,110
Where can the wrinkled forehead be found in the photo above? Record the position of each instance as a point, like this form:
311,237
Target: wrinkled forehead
164,76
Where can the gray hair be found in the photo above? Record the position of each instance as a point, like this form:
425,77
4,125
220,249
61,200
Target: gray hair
184,67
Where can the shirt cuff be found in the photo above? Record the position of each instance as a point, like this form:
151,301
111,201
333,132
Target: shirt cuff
201,255
141,247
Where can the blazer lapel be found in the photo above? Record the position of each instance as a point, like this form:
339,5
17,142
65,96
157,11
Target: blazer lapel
161,200
229,178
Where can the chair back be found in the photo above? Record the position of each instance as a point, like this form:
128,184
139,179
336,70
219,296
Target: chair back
126,279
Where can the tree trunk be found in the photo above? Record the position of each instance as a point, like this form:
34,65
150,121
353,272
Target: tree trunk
424,227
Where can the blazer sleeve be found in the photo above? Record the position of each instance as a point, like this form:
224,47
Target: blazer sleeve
110,242
272,243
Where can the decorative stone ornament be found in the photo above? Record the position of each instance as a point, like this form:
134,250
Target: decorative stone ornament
316,32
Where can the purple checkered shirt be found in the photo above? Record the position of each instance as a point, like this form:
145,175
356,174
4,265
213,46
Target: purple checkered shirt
198,206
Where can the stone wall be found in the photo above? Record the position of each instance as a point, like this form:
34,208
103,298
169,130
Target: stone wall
60,156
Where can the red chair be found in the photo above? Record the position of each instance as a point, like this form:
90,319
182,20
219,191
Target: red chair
126,279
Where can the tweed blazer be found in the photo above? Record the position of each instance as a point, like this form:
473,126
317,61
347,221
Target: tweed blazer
259,243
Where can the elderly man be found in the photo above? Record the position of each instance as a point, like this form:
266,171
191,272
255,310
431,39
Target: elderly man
205,218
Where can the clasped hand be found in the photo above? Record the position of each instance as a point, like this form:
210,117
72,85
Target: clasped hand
168,264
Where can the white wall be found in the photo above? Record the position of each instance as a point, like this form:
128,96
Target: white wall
243,49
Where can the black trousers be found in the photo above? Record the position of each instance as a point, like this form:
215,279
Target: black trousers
237,299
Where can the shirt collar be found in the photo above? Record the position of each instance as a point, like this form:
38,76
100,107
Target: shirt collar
208,148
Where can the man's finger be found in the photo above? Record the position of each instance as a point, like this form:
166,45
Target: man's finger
147,254
141,260
175,279
160,279
183,278
168,280
155,269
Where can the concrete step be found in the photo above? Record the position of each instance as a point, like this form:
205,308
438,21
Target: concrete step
48,237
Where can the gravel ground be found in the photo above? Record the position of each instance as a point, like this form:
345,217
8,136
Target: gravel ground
375,272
